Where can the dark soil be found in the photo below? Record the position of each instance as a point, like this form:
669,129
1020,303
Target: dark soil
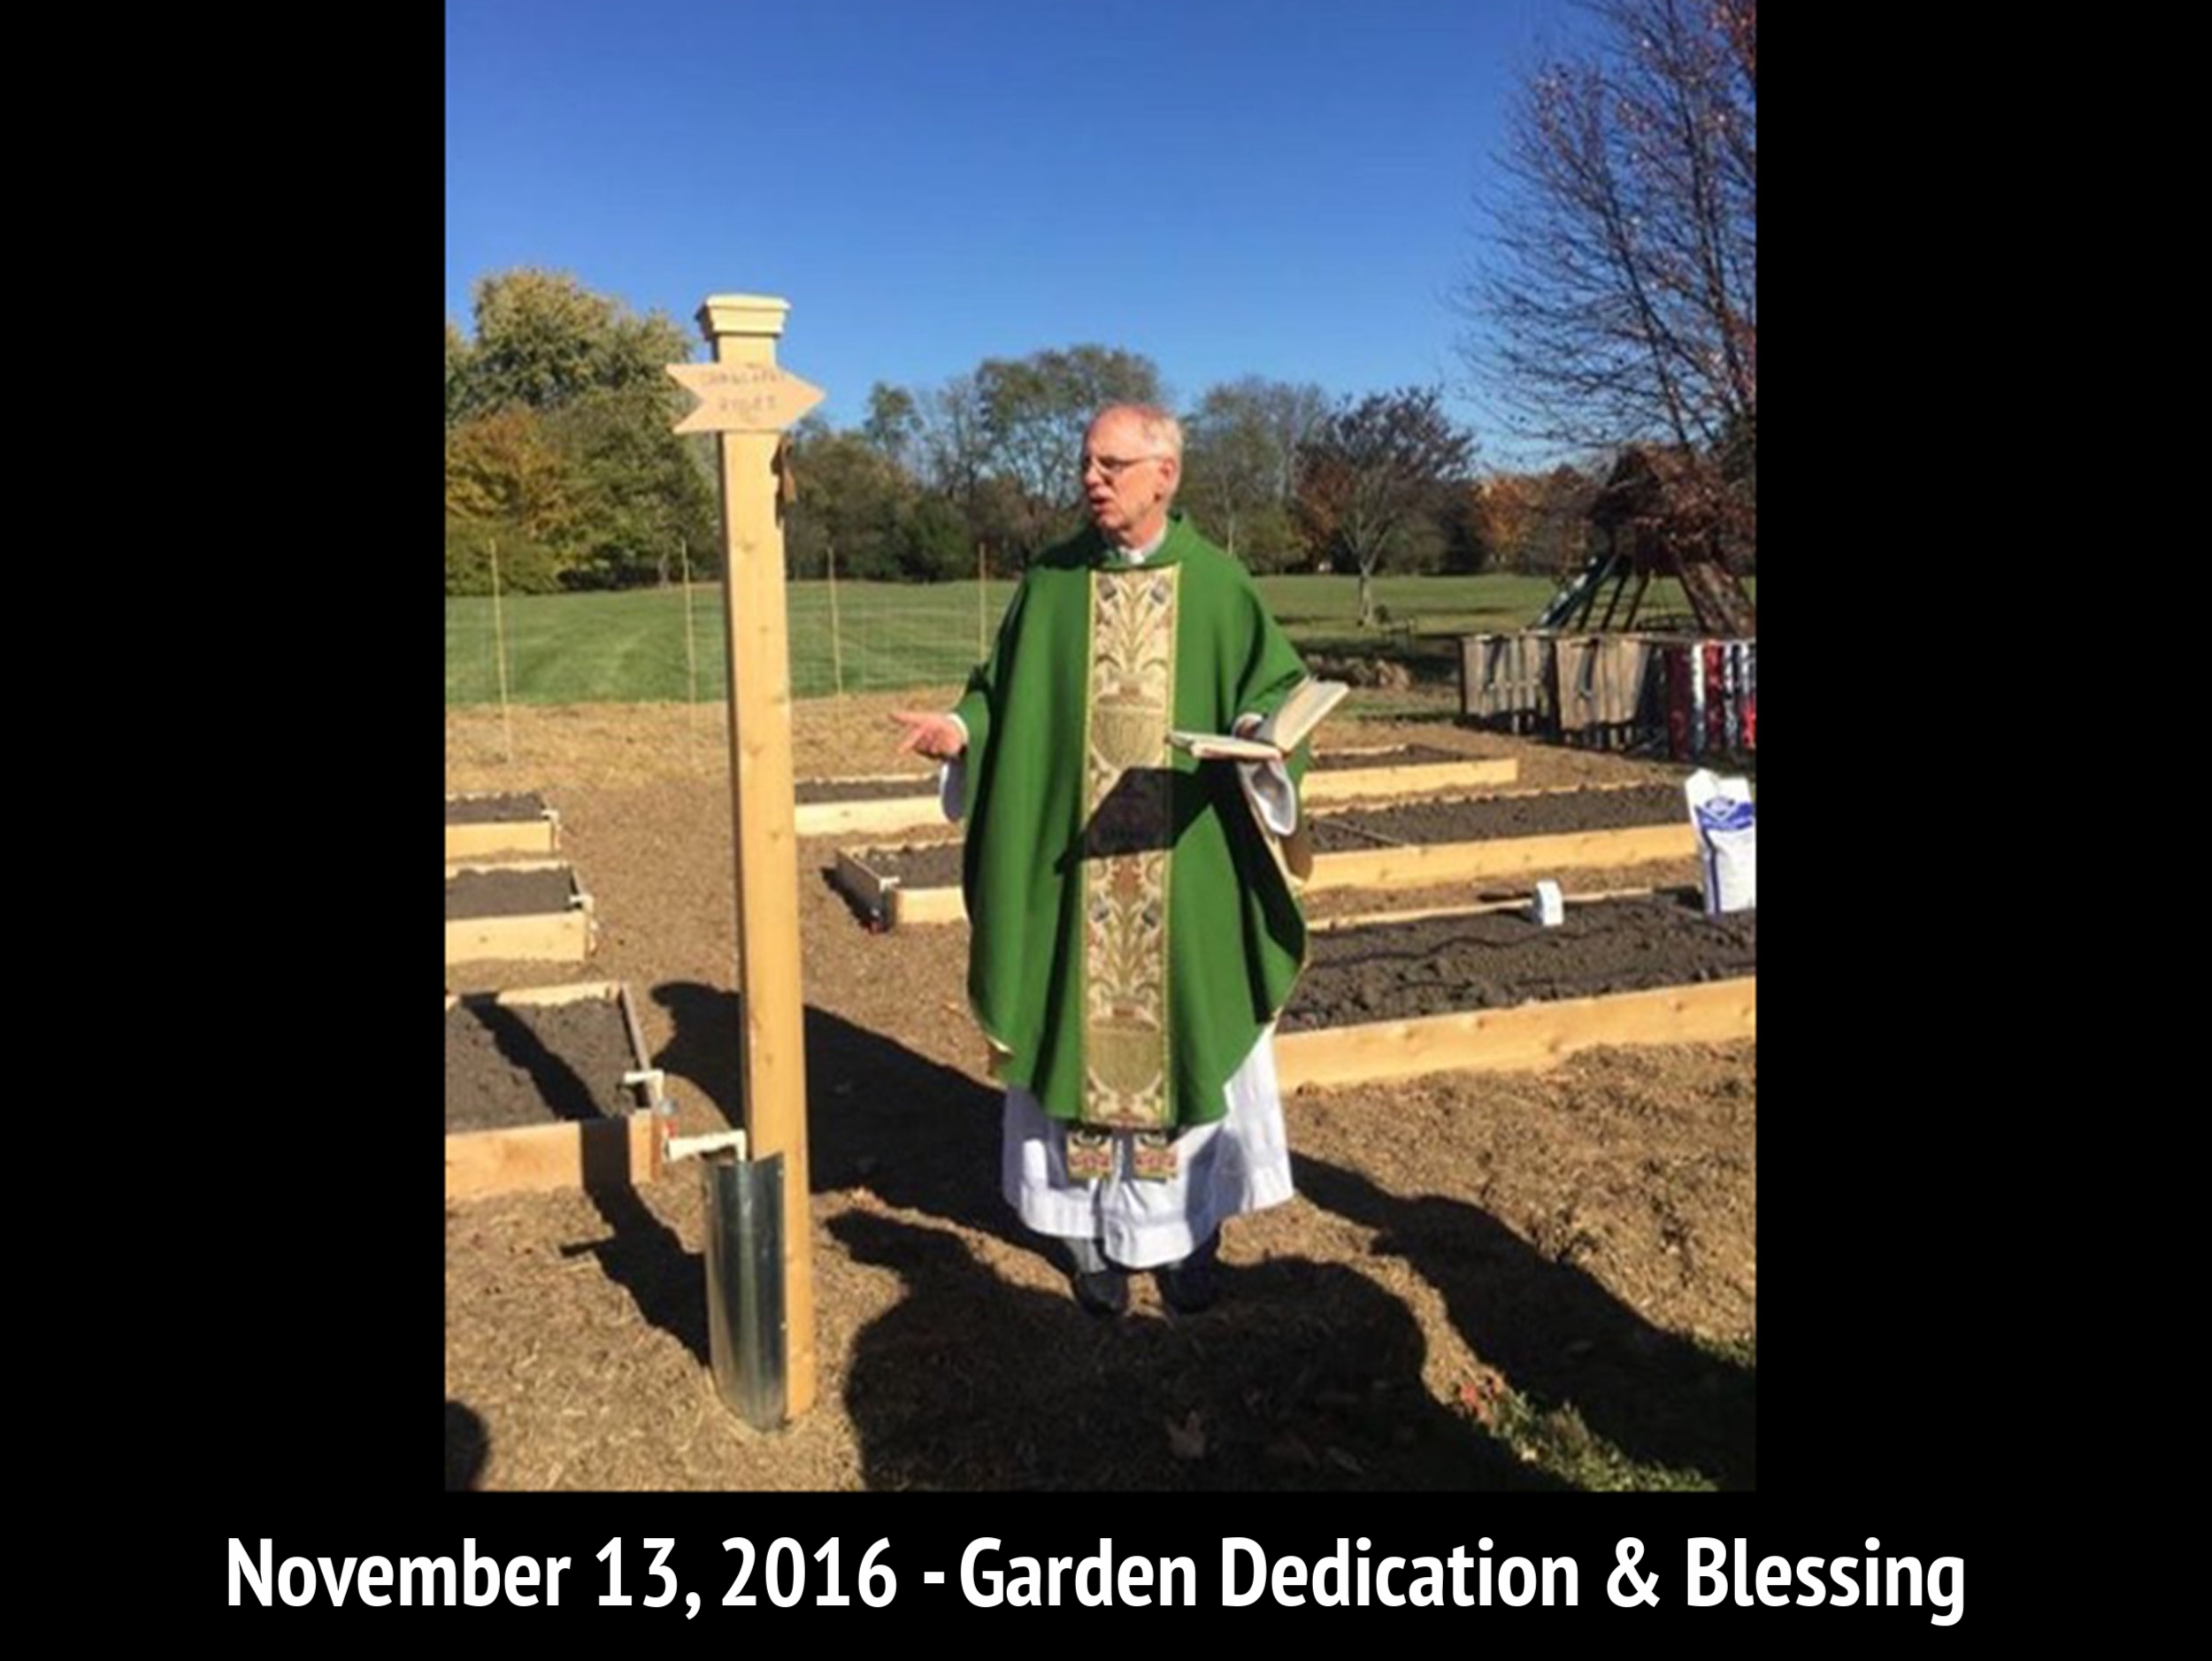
508,893
1479,818
920,784
1498,959
929,866
534,1064
495,809
1461,819
1404,755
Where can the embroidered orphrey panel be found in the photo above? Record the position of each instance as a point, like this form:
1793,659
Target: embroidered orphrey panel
1127,832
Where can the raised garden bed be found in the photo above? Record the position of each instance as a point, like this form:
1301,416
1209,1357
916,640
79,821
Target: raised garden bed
912,883
1517,833
1343,775
887,801
1487,987
549,1087
840,807
478,826
1410,845
531,910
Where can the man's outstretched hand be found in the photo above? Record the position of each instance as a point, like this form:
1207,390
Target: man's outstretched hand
938,737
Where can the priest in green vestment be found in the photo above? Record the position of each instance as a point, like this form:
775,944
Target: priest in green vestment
1133,932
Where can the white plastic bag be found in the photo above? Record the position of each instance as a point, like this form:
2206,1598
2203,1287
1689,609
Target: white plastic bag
1722,814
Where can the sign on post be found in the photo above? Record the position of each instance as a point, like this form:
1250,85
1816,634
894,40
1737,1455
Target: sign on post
743,397
748,401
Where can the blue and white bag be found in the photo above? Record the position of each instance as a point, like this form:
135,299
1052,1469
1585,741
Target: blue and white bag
1722,816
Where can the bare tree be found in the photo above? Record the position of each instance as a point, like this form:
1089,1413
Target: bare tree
1616,294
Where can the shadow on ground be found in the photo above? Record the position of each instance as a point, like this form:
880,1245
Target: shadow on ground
1306,1376
467,1445
640,1253
922,1135
1558,1337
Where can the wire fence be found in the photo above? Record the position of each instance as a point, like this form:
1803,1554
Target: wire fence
668,644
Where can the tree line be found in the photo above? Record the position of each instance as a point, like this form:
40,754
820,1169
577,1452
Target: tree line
560,460
978,476
559,463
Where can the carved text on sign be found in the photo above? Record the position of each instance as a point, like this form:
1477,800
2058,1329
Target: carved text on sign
743,397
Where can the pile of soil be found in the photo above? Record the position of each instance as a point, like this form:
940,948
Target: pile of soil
1466,1253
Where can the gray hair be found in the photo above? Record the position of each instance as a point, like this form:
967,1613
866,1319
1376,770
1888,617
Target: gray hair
1161,431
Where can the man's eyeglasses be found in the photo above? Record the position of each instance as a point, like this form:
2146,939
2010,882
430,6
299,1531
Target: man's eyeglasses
1114,466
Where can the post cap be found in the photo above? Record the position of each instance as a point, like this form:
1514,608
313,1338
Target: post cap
742,314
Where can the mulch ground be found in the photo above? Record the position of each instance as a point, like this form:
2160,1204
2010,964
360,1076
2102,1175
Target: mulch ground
1580,1242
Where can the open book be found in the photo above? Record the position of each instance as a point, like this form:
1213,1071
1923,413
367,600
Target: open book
1276,736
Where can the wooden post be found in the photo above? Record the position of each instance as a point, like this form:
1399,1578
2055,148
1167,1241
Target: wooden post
743,329
691,649
499,655
837,658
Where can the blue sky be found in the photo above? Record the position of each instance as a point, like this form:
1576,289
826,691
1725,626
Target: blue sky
1229,187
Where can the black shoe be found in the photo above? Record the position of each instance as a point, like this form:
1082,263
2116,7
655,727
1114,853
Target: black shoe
1192,1286
1102,1292
1100,1287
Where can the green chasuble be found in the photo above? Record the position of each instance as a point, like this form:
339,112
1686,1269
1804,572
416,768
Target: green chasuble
1132,930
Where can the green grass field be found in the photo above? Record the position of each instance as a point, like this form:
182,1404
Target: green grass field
630,647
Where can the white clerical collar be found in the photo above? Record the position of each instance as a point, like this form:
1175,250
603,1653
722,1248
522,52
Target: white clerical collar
1138,555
